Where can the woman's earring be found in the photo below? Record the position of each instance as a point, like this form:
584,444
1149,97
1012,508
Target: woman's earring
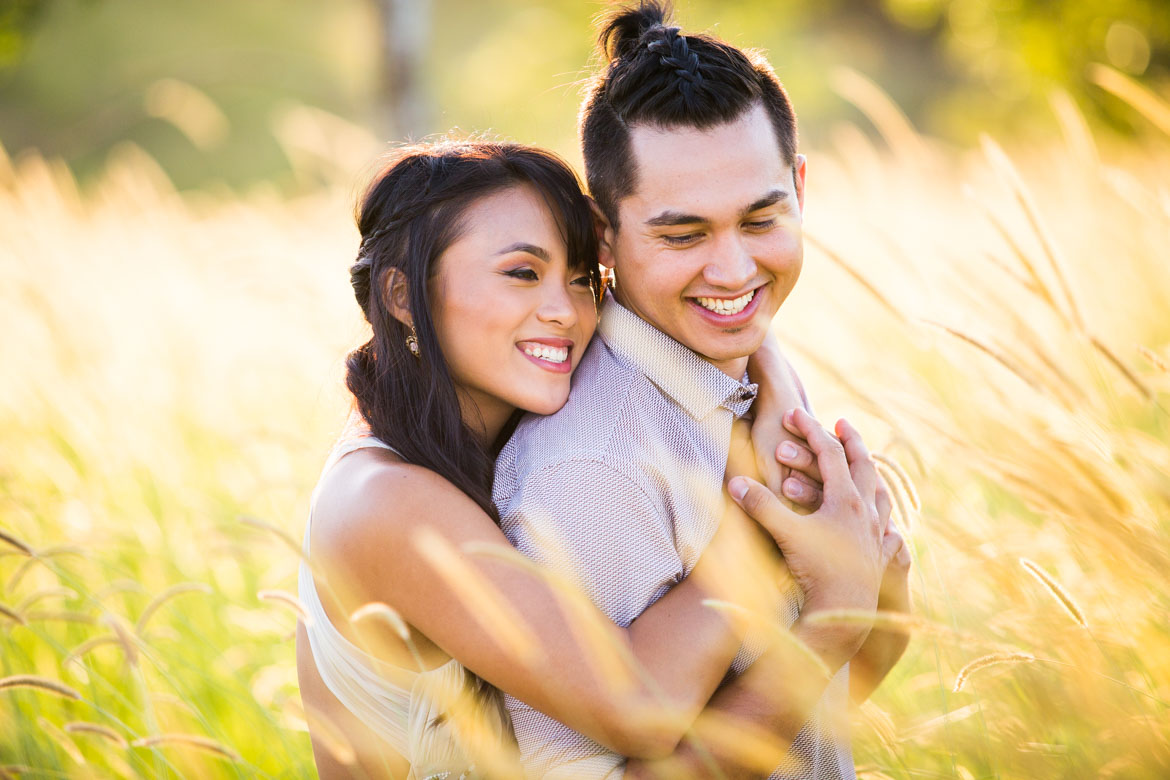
606,281
412,341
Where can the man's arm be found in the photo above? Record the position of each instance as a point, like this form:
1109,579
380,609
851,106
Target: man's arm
750,723
838,556
883,647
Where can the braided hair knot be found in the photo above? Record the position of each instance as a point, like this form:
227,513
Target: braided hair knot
674,53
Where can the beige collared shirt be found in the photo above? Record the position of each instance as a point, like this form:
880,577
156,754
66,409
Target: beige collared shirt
621,490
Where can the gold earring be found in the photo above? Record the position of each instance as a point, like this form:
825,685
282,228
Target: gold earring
412,341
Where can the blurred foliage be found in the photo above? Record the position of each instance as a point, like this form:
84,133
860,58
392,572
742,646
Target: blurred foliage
172,383
206,88
17,17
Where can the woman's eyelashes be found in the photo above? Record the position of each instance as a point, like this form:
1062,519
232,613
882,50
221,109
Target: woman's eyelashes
525,274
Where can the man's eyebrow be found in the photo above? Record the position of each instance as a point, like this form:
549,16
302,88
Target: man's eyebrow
532,249
670,218
771,199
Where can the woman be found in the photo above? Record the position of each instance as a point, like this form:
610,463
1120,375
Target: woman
478,275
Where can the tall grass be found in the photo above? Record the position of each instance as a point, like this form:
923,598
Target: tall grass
994,319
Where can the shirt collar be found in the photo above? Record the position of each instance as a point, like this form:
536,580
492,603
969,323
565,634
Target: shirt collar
692,382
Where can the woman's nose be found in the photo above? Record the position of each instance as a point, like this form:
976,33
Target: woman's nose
556,304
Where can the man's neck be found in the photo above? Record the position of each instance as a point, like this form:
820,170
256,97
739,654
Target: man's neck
734,368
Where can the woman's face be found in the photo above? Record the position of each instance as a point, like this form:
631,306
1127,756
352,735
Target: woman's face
511,317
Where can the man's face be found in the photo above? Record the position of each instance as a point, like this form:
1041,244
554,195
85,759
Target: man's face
709,243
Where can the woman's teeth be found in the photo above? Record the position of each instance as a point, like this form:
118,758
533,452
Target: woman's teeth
551,354
726,307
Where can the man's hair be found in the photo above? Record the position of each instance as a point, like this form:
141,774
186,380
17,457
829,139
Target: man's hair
658,76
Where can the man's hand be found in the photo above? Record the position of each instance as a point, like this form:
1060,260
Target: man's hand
838,554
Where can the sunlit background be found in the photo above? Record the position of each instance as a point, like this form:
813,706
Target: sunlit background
985,293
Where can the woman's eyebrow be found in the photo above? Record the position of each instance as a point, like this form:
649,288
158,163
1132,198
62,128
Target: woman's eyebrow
532,249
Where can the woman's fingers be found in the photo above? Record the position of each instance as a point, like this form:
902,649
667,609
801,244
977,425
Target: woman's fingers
764,507
831,459
800,458
861,465
801,489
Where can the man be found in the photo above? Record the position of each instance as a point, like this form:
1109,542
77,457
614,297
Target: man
690,153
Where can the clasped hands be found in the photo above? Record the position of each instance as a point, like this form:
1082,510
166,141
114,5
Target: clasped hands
831,521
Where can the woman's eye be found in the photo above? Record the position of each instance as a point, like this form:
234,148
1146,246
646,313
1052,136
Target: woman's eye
683,240
526,274
583,281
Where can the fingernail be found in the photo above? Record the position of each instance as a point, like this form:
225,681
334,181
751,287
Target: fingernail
792,488
788,450
738,488
788,415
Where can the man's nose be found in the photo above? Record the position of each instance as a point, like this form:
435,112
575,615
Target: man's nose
730,266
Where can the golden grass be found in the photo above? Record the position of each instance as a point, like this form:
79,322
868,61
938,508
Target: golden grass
989,660
38,683
994,321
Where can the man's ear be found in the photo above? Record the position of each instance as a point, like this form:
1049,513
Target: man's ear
396,296
605,235
798,170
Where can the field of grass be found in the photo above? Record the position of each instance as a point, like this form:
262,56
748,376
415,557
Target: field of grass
995,321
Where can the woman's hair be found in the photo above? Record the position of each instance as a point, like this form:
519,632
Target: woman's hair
411,213
656,75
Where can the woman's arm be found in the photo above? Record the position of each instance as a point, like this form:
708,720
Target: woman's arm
388,532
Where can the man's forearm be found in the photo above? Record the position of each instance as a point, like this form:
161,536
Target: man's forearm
750,723
883,647
875,659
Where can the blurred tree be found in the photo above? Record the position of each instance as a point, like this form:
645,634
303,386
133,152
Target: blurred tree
17,17
405,106
80,77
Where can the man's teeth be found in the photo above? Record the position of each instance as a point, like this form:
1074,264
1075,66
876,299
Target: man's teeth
726,307
551,354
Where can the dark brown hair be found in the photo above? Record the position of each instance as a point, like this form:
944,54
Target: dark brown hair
654,74
410,214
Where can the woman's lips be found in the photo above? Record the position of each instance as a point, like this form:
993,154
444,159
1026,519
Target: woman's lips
553,355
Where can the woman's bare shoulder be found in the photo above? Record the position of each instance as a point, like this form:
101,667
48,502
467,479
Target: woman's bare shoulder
371,499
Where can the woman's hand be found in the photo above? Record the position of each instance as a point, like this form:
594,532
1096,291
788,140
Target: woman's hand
786,465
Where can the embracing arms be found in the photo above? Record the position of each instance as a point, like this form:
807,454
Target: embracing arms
388,532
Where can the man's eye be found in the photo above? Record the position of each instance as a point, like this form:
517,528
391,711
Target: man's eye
762,224
526,274
683,240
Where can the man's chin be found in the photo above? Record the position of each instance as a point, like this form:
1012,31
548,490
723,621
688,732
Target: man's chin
725,351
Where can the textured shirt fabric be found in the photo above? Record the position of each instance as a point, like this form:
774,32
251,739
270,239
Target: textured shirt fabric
620,491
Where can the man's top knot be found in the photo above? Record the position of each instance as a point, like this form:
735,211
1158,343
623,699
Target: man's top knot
674,53
622,33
